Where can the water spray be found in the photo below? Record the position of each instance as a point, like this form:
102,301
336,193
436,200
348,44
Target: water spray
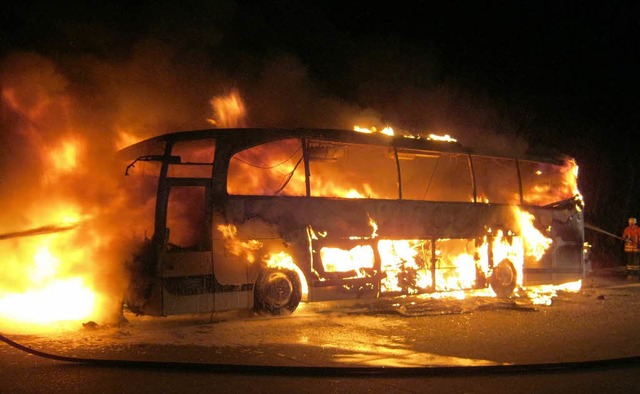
598,229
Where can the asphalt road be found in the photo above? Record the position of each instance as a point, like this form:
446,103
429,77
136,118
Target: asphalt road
582,342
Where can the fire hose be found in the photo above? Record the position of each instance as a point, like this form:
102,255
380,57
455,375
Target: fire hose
254,369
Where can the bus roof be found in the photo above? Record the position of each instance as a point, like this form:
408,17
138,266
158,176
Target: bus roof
246,137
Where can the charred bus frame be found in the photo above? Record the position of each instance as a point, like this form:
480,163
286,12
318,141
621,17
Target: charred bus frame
260,218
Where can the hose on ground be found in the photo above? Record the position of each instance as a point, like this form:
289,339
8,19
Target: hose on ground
253,369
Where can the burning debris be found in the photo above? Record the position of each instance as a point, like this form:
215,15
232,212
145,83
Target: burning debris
431,307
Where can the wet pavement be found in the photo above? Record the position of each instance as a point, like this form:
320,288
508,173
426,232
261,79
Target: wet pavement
435,331
599,322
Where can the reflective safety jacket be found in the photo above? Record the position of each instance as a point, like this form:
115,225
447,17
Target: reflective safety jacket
631,234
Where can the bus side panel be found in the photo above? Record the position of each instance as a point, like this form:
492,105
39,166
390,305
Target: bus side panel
231,268
343,218
242,249
564,260
353,217
187,282
196,303
233,299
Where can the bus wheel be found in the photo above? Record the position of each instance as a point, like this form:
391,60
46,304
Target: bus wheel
503,279
277,292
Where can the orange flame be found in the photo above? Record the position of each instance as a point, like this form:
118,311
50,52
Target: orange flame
283,260
47,290
445,138
339,260
386,130
247,249
65,157
49,276
536,243
237,247
229,110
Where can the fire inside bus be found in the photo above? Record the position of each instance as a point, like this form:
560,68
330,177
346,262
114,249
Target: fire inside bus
269,218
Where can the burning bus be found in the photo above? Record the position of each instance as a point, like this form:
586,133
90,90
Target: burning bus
269,218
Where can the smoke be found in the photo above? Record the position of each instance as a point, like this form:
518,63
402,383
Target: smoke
284,95
475,120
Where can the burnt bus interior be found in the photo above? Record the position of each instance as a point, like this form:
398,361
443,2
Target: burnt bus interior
266,218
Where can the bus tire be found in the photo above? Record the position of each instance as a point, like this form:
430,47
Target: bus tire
277,292
503,279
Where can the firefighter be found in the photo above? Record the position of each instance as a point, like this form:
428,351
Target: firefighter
631,235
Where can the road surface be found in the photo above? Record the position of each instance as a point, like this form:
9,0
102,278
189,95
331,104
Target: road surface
474,345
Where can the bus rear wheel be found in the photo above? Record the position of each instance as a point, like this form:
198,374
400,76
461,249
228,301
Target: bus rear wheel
277,292
503,279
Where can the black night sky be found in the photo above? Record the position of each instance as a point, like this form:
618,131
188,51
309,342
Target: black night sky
558,75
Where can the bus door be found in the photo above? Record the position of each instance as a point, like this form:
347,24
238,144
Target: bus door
186,259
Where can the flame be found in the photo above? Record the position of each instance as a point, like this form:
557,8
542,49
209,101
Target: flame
356,259
508,247
62,299
128,137
536,242
248,250
571,176
399,263
365,130
64,157
544,294
408,264
283,260
228,110
374,226
386,130
571,181
462,275
67,267
47,289
238,247
445,138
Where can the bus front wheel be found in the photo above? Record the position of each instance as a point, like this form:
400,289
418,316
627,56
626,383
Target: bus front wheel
277,292
503,279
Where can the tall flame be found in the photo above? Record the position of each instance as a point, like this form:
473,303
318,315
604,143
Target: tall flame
229,110
536,242
62,250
